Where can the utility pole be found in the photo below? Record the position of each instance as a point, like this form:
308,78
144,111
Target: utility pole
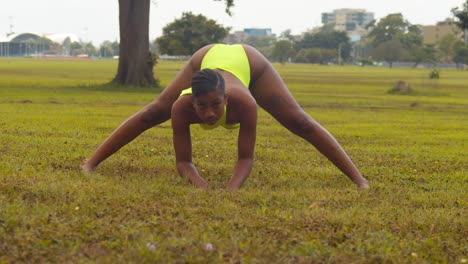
339,53
11,27
9,34
466,35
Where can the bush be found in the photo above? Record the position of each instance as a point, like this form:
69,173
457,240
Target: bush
366,62
434,74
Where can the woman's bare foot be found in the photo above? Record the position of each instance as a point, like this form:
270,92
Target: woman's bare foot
364,185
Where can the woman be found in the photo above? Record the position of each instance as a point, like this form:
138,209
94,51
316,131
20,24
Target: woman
238,77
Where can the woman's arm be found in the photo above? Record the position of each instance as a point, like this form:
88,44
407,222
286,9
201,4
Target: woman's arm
153,114
183,145
246,147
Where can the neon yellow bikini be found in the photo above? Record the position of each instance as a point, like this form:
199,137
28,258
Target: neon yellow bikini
231,58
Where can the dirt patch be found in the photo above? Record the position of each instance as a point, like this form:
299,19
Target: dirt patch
401,87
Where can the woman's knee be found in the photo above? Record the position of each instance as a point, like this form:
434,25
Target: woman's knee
155,113
301,124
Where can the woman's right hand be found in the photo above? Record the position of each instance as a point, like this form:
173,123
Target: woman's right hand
86,167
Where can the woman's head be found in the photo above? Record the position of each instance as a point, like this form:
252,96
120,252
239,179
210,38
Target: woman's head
209,96
206,81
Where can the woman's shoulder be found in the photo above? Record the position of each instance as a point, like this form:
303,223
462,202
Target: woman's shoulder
241,98
183,105
183,113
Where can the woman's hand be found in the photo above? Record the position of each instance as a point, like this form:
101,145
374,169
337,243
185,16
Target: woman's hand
86,167
187,170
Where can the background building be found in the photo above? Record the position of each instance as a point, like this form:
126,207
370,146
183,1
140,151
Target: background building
24,44
352,21
31,44
433,33
236,37
258,32
242,36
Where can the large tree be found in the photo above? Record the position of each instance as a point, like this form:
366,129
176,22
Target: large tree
461,55
394,39
327,38
423,54
316,55
462,16
263,44
447,46
135,63
389,27
390,51
283,51
186,35
135,59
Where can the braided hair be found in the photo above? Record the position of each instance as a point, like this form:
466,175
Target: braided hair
206,81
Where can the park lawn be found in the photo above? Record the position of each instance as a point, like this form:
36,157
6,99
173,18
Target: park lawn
295,207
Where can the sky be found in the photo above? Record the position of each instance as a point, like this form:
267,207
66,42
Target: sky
97,21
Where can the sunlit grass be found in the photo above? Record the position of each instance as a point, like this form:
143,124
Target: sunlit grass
295,207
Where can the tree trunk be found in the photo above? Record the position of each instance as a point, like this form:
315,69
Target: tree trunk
135,60
465,36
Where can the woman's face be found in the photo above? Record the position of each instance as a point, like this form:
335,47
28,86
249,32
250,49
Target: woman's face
210,107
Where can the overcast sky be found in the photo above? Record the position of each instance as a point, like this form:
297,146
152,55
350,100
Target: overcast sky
97,20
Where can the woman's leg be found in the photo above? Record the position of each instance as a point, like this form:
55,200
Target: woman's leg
272,95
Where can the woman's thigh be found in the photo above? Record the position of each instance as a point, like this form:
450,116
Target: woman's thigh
272,94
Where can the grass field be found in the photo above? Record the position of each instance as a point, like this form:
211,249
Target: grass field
296,207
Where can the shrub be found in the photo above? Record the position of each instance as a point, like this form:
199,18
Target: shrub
434,74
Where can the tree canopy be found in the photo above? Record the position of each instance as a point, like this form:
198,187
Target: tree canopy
461,55
229,4
447,46
461,15
262,44
186,35
327,38
390,51
283,50
393,38
391,26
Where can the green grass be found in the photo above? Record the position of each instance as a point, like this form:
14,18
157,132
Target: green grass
296,207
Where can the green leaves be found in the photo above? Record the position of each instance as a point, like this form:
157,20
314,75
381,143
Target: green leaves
184,36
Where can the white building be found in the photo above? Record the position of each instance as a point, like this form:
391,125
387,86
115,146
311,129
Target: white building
352,21
29,44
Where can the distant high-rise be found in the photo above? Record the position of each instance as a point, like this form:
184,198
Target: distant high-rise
258,32
353,21
348,19
242,36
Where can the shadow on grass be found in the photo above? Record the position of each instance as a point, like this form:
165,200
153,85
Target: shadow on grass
420,92
112,87
80,93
